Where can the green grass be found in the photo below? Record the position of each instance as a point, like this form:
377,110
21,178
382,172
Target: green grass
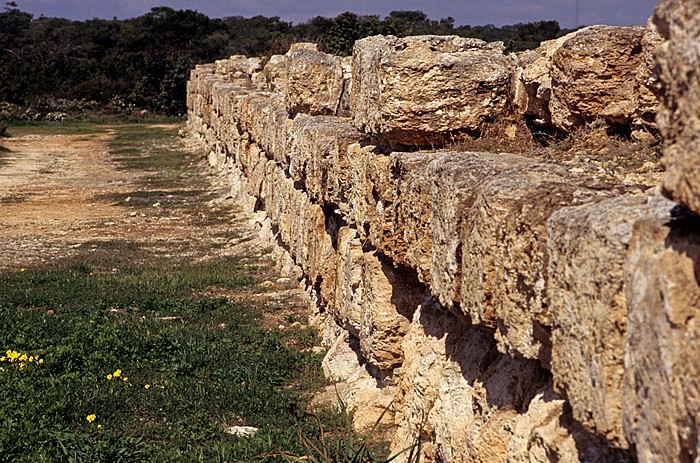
206,360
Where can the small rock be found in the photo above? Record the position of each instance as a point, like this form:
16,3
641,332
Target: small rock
241,431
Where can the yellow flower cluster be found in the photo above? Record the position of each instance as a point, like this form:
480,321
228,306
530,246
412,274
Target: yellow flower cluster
92,417
20,359
117,375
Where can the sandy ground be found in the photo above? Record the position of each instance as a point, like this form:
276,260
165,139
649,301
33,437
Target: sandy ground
54,197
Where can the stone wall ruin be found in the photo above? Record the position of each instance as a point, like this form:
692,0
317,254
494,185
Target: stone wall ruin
504,308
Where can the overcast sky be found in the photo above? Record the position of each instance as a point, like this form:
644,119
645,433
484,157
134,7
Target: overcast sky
471,12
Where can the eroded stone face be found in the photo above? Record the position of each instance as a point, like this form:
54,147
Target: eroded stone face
314,83
457,392
418,90
662,391
588,255
678,61
598,72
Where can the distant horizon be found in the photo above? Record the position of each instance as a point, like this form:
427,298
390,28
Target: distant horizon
465,13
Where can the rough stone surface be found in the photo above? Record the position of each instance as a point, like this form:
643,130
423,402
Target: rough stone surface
494,200
418,90
455,179
314,83
679,114
593,75
318,160
587,251
596,72
547,433
662,390
389,299
520,256
356,386
457,392
238,66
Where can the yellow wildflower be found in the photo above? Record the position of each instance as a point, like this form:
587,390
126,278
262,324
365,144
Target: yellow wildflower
146,386
109,376
117,373
91,417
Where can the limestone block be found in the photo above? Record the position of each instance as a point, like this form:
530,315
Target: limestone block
238,64
482,252
418,90
679,113
409,210
356,386
532,81
277,127
372,193
587,248
520,255
595,72
346,97
456,390
318,157
314,83
389,298
347,304
644,125
455,179
546,433
593,76
662,390
275,72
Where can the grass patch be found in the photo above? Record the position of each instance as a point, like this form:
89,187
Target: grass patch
154,150
16,128
164,367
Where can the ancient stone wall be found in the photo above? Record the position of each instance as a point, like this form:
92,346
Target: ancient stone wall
503,308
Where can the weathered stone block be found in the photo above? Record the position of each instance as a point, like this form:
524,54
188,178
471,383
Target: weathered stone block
318,158
389,298
594,76
349,291
662,386
596,72
455,181
483,253
520,257
678,60
418,90
314,83
457,391
587,249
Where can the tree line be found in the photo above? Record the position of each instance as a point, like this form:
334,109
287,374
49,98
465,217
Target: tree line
144,62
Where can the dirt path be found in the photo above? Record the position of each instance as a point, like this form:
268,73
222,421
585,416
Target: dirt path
57,195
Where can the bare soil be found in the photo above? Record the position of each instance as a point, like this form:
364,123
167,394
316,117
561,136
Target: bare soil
59,195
